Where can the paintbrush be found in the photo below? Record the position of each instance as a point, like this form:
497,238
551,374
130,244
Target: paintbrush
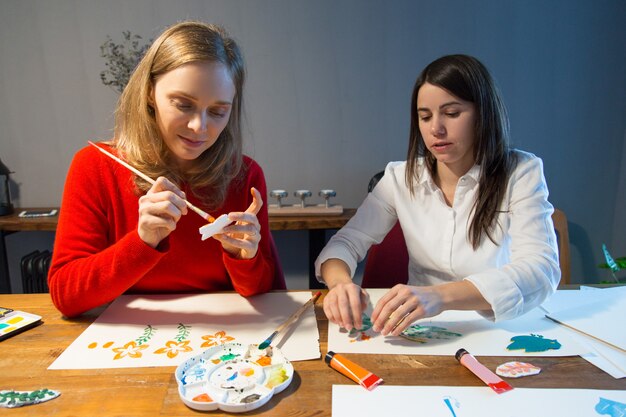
201,213
290,320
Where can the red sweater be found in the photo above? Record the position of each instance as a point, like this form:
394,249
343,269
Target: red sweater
98,254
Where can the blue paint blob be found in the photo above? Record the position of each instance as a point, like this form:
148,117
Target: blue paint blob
610,408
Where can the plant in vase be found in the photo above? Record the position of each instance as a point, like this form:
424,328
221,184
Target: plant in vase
121,59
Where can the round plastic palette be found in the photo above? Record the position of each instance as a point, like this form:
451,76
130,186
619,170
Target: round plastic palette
233,377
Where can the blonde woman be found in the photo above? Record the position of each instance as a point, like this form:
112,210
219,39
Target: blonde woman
178,121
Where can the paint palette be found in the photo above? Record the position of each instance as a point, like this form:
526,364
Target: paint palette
233,377
14,322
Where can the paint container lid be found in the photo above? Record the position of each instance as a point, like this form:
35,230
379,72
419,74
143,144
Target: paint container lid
459,353
329,356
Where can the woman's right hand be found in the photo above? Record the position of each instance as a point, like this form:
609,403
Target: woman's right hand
345,302
159,211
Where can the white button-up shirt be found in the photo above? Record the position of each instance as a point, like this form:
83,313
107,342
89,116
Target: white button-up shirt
514,275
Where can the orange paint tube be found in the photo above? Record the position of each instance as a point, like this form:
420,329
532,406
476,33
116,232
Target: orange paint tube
361,376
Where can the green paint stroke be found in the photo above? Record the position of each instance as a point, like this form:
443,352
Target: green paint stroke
422,334
148,333
533,343
183,332
11,399
228,356
367,324
610,408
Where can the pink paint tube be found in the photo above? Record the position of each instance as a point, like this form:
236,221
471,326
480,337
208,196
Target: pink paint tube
492,380
361,376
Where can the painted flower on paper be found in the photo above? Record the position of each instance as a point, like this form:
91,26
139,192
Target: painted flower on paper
218,338
130,349
172,348
180,344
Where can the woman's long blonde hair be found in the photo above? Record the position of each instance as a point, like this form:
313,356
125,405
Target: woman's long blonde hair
137,137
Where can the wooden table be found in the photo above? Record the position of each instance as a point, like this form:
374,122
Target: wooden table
316,226
151,392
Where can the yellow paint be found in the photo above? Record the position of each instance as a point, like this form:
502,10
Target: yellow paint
107,345
93,345
14,320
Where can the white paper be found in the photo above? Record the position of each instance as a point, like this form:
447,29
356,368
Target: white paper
479,336
611,360
600,315
165,330
437,401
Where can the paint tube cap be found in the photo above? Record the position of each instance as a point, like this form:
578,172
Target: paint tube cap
329,356
459,353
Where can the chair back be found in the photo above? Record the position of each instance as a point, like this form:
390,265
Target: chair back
279,276
560,226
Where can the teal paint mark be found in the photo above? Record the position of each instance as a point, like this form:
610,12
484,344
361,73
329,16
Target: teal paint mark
3,325
422,334
609,259
610,408
228,356
449,404
366,323
533,343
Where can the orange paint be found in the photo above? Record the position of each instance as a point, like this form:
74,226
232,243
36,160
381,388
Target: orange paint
264,361
202,398
93,345
360,375
107,345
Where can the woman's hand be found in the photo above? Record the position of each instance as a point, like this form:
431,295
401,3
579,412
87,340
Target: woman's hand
241,240
404,304
159,211
345,302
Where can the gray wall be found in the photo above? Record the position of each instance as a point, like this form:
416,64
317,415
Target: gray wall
328,94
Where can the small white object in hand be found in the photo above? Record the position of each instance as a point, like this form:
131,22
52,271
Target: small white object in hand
214,228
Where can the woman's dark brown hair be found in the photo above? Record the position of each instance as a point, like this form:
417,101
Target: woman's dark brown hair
468,79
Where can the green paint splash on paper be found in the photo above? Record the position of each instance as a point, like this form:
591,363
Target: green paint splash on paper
533,343
422,334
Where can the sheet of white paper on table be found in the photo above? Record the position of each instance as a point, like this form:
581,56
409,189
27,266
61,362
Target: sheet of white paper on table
439,401
600,314
480,336
605,357
134,327
217,226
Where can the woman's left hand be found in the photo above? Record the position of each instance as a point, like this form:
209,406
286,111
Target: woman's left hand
241,239
404,304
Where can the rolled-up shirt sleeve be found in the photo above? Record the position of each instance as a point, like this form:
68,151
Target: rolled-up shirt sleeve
533,272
